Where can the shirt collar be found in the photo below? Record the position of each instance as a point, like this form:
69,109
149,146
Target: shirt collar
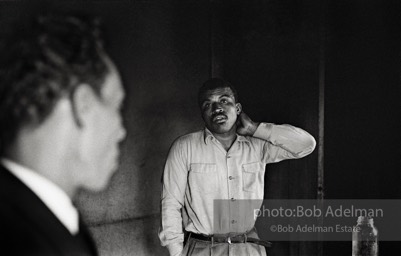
208,136
51,195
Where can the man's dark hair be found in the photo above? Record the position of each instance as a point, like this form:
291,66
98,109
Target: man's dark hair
215,83
42,62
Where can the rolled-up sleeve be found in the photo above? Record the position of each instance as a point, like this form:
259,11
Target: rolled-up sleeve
173,191
284,142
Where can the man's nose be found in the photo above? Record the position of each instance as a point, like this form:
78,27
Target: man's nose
216,107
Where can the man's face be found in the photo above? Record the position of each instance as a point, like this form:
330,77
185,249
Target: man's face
219,110
104,132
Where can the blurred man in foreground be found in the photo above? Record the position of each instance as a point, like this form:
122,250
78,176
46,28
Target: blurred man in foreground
60,126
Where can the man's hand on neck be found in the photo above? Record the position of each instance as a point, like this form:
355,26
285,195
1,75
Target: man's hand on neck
245,125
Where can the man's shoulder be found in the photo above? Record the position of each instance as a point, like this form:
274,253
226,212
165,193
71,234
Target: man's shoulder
253,140
190,137
188,140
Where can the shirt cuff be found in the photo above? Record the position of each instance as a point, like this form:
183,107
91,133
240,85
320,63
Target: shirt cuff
175,249
264,131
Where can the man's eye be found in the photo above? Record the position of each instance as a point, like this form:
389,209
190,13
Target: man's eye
223,101
207,105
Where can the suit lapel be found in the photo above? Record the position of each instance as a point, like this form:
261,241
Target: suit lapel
16,193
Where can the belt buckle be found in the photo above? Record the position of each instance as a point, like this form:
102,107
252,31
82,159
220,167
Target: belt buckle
229,240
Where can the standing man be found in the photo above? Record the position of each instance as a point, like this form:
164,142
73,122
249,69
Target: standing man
60,126
226,161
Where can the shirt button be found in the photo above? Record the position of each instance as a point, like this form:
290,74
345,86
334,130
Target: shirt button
233,222
228,156
231,178
232,199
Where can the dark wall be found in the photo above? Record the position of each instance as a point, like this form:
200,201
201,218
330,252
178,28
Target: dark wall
363,110
363,100
270,50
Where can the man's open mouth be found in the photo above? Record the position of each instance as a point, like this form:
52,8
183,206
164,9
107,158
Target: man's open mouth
219,118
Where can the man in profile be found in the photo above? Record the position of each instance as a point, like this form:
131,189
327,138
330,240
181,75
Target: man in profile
226,162
60,126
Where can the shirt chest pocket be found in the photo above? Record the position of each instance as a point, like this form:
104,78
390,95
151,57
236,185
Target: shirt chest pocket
203,178
253,177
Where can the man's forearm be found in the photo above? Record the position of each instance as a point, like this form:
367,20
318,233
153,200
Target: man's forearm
175,249
171,232
290,138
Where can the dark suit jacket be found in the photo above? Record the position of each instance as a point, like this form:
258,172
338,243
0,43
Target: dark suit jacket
28,227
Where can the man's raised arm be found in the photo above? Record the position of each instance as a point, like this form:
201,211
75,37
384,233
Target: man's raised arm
284,141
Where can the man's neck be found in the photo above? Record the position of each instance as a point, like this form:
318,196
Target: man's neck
54,197
226,139
38,160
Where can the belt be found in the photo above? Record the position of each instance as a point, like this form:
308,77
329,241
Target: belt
230,238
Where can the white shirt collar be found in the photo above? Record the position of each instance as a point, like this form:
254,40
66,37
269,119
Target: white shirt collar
208,135
52,196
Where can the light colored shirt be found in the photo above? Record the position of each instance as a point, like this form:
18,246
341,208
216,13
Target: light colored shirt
51,195
199,170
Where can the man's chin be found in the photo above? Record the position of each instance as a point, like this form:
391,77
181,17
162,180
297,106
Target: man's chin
99,187
222,129
102,182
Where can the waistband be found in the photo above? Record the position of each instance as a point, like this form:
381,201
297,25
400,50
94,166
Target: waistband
231,238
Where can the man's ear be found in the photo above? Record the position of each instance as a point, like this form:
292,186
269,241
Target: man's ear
83,98
238,107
